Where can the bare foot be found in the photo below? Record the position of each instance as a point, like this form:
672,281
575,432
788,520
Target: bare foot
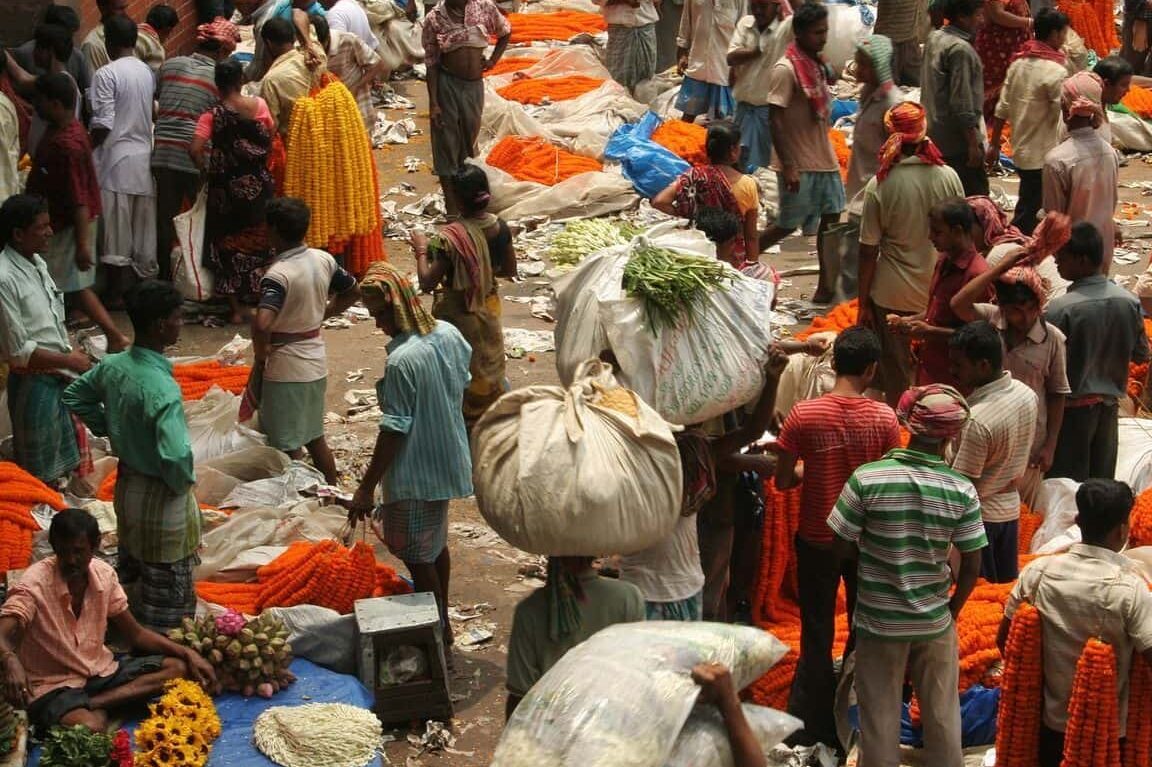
820,297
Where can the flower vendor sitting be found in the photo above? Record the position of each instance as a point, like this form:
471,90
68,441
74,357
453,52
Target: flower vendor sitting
52,630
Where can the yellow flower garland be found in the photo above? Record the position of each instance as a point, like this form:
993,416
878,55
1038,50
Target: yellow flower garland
180,731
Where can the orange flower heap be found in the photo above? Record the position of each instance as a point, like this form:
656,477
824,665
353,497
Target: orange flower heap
1092,738
197,379
534,90
685,140
1022,699
559,25
534,159
20,492
843,151
1138,733
1139,100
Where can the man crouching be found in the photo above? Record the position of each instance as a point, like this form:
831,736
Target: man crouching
53,659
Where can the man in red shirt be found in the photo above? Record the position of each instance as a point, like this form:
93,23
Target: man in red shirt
64,175
832,435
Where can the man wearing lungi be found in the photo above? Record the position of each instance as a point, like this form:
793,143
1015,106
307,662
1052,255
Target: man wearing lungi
455,37
132,399
302,288
631,53
421,459
34,343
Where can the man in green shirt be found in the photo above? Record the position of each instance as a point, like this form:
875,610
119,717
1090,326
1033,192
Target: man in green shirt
133,399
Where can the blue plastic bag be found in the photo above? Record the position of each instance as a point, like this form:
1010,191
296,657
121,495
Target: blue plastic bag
649,166
979,707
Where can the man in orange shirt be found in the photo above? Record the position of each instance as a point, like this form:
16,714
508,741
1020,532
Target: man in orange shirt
53,659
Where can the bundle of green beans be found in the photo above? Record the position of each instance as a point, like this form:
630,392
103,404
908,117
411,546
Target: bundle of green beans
671,283
581,238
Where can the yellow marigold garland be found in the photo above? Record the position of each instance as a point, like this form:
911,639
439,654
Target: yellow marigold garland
181,729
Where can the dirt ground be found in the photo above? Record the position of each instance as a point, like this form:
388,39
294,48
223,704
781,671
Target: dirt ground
487,571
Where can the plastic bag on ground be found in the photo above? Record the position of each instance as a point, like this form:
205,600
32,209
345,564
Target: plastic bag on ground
704,740
702,368
189,275
213,428
556,473
621,698
218,477
648,165
276,492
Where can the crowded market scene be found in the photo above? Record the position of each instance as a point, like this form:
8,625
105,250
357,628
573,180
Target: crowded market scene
825,322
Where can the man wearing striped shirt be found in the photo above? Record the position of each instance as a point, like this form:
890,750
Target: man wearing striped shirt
898,517
186,89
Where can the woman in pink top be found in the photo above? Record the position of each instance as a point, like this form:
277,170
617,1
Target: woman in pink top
242,134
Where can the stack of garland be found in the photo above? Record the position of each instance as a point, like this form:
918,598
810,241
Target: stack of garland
324,574
1094,21
1141,521
535,90
558,25
534,159
330,167
685,140
20,492
510,64
197,378
249,656
1139,101
181,729
842,150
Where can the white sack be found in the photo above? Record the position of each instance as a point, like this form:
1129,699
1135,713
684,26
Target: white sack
213,428
704,740
555,473
194,281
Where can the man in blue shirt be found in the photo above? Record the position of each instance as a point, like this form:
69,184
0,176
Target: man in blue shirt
421,459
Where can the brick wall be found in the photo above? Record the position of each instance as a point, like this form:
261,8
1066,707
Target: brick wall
17,26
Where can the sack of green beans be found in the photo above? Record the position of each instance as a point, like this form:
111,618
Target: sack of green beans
690,334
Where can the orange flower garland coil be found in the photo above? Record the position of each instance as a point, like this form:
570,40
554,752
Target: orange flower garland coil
558,25
196,379
685,140
534,159
1138,733
1022,698
1141,521
534,90
20,492
508,65
843,152
841,317
324,574
1092,738
1093,20
1139,100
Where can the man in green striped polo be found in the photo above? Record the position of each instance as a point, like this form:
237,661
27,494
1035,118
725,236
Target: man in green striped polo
899,517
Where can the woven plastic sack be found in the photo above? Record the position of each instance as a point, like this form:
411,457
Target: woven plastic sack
704,740
556,473
194,281
621,698
702,368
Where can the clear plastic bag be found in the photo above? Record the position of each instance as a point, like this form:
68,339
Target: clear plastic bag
704,740
621,698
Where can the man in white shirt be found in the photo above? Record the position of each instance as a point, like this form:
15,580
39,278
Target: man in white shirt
1030,102
122,102
349,16
9,148
757,44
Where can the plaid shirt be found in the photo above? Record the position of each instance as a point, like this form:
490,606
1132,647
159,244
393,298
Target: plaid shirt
350,59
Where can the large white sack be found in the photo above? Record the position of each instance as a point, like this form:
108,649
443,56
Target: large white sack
704,740
213,427
585,195
621,698
1057,503
846,28
556,473
698,370
1134,454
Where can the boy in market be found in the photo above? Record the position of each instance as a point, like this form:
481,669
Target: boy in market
757,44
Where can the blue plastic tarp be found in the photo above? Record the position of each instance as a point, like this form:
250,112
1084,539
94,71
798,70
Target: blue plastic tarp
979,706
314,684
649,166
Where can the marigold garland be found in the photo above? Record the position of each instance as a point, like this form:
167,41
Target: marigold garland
324,574
20,492
196,379
1141,521
1094,21
1022,696
534,159
843,151
510,64
685,140
180,730
1092,737
558,25
1139,101
1138,732
534,90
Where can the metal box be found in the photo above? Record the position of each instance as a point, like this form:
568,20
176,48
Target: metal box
405,621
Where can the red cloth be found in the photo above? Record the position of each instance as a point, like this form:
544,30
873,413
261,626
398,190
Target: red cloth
814,76
996,46
907,123
1036,49
833,436
950,276
63,174
23,110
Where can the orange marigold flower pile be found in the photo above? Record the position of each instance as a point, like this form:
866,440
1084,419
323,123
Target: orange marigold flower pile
1094,21
685,140
841,317
196,379
510,64
324,574
1139,100
534,90
558,25
1022,696
1092,738
1141,521
534,159
20,492
1138,732
843,151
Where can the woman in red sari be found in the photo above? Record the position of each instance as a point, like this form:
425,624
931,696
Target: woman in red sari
718,185
1007,26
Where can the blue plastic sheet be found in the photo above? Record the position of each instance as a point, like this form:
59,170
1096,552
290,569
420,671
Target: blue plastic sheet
843,108
979,706
649,166
314,684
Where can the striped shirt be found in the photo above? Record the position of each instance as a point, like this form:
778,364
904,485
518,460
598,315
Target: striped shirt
422,398
187,90
996,443
833,436
350,59
904,512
